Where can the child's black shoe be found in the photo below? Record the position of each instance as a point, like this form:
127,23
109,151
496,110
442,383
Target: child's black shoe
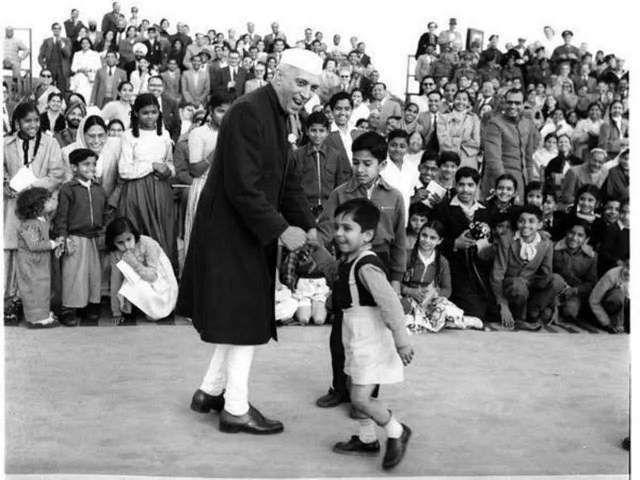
396,448
67,317
355,446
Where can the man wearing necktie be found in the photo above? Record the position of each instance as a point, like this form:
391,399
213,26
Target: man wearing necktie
55,55
105,87
228,82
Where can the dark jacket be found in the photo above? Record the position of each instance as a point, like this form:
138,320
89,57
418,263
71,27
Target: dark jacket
45,124
578,269
332,165
615,247
250,198
81,211
617,184
171,117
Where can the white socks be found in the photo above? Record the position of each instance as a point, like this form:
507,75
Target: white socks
393,427
367,432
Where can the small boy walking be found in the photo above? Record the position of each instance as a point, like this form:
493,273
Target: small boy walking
80,220
375,340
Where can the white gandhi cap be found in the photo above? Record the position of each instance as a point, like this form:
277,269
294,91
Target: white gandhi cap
303,59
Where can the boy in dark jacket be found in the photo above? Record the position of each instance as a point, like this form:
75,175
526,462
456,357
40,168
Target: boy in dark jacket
575,269
321,167
522,278
79,221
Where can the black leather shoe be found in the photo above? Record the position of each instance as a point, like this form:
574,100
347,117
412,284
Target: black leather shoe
332,399
68,317
251,422
355,446
202,402
396,447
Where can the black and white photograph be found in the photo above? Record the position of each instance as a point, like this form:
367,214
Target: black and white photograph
317,240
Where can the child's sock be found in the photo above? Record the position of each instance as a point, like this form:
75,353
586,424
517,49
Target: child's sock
393,427
367,432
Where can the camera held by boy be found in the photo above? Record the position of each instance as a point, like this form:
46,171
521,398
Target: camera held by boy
375,340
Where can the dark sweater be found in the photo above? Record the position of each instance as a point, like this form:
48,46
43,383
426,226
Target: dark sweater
81,211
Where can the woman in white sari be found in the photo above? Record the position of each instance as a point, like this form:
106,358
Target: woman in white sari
85,64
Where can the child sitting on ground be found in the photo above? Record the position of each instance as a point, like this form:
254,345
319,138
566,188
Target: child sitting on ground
426,286
79,222
522,278
141,275
607,221
34,256
375,340
575,269
609,299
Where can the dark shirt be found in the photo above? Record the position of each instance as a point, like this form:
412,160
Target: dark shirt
81,211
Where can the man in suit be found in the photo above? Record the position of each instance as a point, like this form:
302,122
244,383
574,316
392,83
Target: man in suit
55,55
155,52
168,107
172,80
429,119
228,82
270,38
195,83
105,86
258,78
365,60
509,142
487,97
387,105
585,78
73,25
110,19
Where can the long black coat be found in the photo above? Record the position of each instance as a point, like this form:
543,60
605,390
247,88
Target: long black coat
250,198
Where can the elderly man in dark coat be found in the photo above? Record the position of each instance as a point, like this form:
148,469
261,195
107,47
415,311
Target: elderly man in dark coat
509,142
252,199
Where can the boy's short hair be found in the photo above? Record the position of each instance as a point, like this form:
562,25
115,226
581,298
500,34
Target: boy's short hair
361,121
372,142
318,118
550,136
573,221
591,190
532,187
531,210
364,212
448,156
499,217
54,95
340,96
507,176
468,172
420,209
429,155
79,155
549,192
397,133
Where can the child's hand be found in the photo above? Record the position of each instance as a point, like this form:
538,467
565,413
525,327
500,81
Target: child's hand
9,192
161,169
464,241
418,294
506,317
130,258
406,354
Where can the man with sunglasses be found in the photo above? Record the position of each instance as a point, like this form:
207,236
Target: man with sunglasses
509,142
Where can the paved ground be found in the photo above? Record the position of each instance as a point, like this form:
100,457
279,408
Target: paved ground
116,401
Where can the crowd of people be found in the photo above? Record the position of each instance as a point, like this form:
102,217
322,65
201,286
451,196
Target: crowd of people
503,185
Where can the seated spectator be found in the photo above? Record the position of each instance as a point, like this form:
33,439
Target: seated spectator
115,128
43,89
424,63
568,100
542,156
415,148
589,173
575,267
139,78
614,249
609,299
617,183
360,107
558,167
459,131
556,123
121,108
384,103
587,132
321,168
409,121
73,115
614,132
553,220
172,79
522,278
504,195
418,216
461,218
52,120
